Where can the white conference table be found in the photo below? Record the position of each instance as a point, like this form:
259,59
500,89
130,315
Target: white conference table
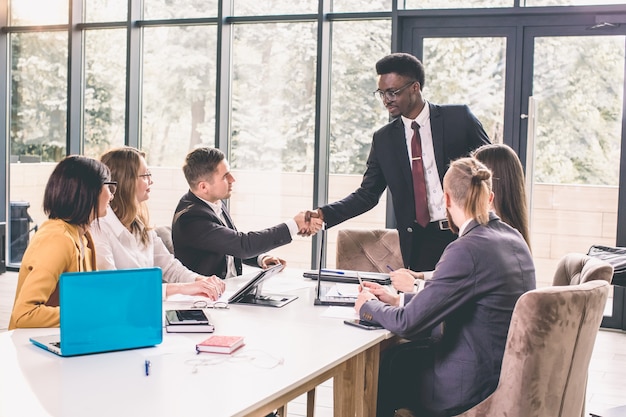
288,351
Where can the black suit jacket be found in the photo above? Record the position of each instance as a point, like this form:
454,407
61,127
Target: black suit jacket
455,131
201,241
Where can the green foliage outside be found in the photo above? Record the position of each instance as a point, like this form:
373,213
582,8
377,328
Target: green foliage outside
274,91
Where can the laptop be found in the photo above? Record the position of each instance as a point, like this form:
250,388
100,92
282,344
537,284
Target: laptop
328,295
104,311
251,291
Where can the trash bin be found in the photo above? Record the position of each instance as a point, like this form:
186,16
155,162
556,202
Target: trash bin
20,230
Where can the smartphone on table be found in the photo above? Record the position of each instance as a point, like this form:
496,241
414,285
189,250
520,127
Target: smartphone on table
363,324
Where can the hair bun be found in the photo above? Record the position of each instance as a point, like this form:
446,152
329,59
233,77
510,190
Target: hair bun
480,174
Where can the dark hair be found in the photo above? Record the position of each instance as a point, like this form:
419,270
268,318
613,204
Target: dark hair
201,163
124,163
403,64
468,182
508,185
73,189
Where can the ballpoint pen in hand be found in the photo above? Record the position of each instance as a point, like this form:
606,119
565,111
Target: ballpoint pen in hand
363,287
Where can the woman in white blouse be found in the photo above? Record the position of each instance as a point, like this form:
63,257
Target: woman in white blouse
124,239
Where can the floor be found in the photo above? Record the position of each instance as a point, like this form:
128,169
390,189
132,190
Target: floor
605,389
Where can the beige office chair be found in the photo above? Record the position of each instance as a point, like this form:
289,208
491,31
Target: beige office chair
547,354
576,268
368,250
165,233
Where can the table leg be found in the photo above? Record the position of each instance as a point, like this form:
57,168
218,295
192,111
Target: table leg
310,403
355,387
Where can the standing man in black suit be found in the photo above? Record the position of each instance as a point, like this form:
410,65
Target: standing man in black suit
445,132
203,233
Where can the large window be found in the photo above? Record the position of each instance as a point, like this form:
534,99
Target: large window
284,87
178,91
105,88
38,95
273,126
478,82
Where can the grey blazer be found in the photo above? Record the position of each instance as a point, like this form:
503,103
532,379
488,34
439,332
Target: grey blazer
473,291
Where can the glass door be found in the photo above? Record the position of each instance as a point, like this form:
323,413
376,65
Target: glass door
577,87
573,70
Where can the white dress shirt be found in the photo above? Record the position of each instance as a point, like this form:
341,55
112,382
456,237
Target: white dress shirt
117,248
434,189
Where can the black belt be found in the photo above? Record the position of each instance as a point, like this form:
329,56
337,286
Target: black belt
439,225
443,224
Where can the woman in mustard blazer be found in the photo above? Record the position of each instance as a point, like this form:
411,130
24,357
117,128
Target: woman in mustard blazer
78,191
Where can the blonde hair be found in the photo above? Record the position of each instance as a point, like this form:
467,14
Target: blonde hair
468,182
124,164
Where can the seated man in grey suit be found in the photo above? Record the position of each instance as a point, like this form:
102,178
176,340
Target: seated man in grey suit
204,235
473,291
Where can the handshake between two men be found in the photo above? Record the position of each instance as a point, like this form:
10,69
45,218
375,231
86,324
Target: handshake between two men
309,222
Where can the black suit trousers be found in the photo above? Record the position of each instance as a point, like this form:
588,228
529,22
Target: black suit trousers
428,245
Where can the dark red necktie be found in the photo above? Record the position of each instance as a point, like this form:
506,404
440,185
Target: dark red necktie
422,216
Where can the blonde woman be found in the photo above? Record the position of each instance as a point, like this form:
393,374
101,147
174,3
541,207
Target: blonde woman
124,238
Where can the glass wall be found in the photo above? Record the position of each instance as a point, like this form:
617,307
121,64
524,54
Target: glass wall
253,82
178,91
104,96
38,95
478,82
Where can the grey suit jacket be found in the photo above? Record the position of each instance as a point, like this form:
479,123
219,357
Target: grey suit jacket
455,131
473,291
201,241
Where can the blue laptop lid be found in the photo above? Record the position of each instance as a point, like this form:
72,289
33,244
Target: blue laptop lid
110,310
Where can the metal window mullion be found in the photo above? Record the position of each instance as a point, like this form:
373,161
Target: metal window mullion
75,142
133,74
322,120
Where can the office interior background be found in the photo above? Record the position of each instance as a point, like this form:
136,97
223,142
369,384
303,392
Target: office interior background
284,88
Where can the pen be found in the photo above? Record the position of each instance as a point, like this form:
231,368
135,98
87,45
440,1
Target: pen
148,367
333,271
389,268
363,287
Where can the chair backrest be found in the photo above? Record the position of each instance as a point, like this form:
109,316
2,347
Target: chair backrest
165,233
368,250
547,354
576,268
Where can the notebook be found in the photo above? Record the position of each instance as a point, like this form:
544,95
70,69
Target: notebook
103,311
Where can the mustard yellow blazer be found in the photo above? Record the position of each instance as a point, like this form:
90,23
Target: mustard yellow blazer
56,247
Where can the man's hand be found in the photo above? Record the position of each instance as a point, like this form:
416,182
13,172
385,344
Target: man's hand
313,222
364,296
268,261
403,280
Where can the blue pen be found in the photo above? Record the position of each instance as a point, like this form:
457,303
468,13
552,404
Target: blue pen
333,271
389,268
147,367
